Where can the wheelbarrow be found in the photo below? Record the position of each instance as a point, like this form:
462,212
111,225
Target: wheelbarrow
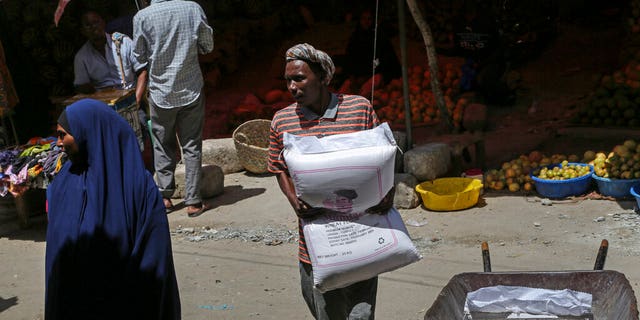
612,295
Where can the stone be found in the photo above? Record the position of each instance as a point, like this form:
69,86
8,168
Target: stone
406,196
222,153
401,139
428,162
211,181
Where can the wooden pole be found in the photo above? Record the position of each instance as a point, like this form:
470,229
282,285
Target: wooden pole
405,76
425,30
602,255
486,257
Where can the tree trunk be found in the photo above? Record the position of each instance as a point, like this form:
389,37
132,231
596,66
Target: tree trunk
425,30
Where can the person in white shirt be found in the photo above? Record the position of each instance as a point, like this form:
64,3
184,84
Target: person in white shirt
105,62
97,65
168,36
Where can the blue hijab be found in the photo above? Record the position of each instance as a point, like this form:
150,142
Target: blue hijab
108,252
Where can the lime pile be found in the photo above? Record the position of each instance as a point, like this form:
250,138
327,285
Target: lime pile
565,171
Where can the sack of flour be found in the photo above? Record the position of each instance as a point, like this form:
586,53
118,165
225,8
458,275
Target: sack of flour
348,248
345,172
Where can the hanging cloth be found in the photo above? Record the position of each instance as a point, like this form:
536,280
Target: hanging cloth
59,10
8,95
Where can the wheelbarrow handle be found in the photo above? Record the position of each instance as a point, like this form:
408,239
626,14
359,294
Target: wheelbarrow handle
602,255
486,257
599,265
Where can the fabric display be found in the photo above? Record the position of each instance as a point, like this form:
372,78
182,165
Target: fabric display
30,166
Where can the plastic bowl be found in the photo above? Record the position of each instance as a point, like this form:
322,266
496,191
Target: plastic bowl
563,188
617,188
635,192
449,194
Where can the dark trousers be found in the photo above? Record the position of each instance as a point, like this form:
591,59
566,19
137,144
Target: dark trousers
354,302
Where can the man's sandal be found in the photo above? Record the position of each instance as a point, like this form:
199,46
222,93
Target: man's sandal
197,209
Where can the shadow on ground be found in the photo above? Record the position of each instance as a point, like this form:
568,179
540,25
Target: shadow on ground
233,194
7,303
35,231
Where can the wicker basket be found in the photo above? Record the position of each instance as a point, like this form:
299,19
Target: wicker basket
252,144
127,107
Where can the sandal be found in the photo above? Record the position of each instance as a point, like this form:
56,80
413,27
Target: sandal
195,210
168,205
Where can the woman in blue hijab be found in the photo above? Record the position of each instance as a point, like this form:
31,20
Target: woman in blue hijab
108,250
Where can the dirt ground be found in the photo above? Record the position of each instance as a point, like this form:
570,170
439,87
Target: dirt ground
238,260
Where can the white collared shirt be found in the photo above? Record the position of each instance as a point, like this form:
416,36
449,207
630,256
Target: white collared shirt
90,66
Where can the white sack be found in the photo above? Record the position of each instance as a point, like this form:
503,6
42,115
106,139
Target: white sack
501,299
348,248
361,163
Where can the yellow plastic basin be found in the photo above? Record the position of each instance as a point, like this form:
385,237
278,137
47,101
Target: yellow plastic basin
449,194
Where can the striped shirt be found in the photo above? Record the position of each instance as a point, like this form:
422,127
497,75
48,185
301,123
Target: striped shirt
345,114
167,37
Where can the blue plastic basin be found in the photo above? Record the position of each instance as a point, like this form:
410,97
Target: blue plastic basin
617,188
635,192
563,188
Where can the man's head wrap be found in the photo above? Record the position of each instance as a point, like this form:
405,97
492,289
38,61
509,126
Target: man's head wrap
311,55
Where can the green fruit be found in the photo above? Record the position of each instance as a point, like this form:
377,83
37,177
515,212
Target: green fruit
623,103
615,113
607,82
599,103
630,144
601,93
629,113
621,92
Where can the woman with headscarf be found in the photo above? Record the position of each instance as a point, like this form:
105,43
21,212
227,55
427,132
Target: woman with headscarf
108,252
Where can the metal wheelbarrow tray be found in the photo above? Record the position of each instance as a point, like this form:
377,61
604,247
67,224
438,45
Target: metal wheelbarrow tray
612,295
